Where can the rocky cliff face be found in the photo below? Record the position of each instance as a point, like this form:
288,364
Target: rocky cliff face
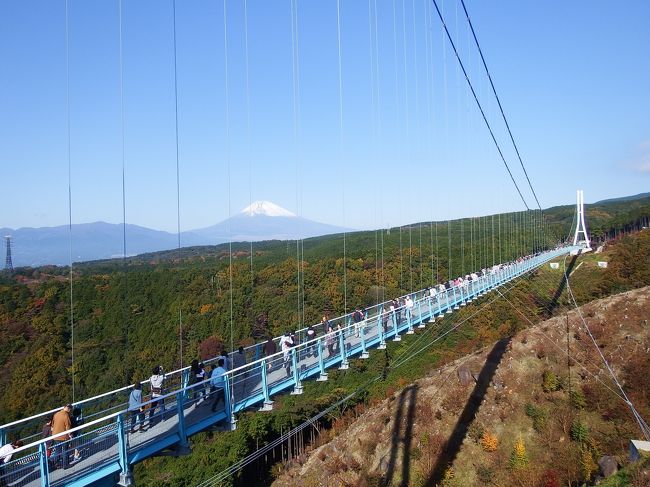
518,413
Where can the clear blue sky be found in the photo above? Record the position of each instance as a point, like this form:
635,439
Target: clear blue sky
572,76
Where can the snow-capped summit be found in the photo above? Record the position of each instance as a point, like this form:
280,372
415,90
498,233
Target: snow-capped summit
99,240
269,222
265,208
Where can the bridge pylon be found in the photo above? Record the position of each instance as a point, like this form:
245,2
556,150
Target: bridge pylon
581,228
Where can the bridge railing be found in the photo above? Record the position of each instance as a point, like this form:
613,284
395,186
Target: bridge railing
29,429
107,441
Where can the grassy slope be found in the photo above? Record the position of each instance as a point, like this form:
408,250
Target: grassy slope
515,406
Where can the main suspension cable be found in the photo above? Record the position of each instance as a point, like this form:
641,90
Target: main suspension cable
178,186
340,77
478,103
229,173
505,120
67,116
248,147
125,314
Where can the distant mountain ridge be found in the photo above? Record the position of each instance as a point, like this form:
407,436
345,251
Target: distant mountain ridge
623,198
262,220
90,241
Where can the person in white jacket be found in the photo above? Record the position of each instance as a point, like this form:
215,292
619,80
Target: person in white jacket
408,304
286,342
156,382
6,452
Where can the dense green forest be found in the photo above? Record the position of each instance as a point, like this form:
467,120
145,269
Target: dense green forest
128,314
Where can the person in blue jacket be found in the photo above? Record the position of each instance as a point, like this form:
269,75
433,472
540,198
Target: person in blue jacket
217,384
136,411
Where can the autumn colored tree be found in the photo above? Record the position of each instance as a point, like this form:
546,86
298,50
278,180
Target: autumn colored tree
518,456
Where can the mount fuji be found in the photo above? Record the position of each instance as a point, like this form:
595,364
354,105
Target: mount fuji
263,220
259,221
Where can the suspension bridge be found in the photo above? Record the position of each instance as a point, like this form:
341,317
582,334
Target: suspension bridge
104,447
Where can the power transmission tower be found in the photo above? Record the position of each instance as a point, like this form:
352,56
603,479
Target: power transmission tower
9,267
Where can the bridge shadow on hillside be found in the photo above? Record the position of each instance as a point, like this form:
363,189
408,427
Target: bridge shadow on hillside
555,300
468,415
405,415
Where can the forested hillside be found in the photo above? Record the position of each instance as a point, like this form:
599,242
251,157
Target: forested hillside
605,219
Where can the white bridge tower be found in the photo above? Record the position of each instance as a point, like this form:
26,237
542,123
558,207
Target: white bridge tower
581,228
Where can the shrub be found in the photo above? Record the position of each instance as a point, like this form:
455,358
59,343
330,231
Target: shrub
531,410
538,415
475,431
578,399
416,453
579,431
489,442
448,477
550,382
485,474
540,350
550,478
518,456
587,464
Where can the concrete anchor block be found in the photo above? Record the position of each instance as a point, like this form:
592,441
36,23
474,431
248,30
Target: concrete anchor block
267,406
126,479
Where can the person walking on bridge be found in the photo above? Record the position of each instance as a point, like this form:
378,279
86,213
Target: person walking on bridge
6,452
408,303
311,349
136,411
357,318
270,348
239,384
285,345
227,363
395,312
156,381
61,422
217,384
329,339
196,375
